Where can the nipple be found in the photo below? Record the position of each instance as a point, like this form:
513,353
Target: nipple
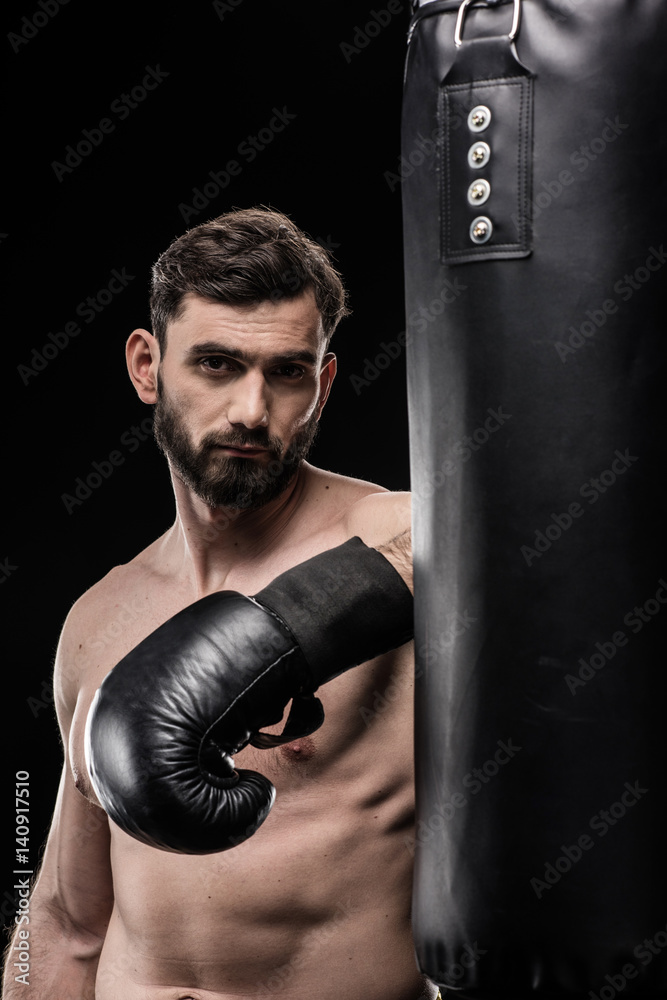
298,750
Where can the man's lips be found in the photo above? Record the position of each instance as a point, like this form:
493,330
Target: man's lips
242,451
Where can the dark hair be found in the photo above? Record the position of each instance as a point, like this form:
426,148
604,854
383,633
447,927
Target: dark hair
245,257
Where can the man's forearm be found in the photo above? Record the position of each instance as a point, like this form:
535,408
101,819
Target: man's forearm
58,966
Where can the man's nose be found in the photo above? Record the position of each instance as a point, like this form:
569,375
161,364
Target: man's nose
249,404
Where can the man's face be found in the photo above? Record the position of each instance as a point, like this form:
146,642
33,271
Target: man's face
240,392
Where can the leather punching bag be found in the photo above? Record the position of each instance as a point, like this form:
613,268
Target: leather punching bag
533,179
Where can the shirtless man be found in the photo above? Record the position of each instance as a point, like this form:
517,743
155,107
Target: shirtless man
316,904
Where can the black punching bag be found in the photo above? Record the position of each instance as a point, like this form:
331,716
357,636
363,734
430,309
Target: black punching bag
533,178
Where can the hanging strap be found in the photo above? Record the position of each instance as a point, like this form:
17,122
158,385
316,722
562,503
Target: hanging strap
485,115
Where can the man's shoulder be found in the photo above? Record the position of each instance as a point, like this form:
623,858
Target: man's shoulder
115,585
344,487
364,508
106,611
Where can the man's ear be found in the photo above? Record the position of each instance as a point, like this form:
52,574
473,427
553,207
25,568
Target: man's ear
142,352
327,375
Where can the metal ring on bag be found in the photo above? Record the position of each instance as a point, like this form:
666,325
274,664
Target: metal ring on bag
458,30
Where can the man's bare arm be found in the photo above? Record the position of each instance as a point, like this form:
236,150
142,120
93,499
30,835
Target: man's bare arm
72,900
383,521
69,907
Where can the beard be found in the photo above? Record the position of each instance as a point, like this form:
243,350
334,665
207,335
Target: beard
227,481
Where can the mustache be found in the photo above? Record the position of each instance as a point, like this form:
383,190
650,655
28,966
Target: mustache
259,438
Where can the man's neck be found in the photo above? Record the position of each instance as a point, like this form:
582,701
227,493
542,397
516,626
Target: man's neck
212,541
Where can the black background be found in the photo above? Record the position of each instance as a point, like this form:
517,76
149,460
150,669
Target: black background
229,66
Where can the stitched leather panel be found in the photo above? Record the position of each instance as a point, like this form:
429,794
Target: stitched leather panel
508,171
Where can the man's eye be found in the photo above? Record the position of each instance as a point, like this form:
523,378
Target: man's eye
289,371
216,364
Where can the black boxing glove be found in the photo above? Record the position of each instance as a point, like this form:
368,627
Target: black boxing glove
163,726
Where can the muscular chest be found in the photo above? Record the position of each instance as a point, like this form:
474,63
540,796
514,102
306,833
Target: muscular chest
127,623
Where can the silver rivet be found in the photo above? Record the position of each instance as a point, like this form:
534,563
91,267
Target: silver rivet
481,229
478,192
479,118
478,154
